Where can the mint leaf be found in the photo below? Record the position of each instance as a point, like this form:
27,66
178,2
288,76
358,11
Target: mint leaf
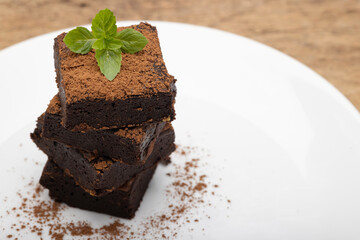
108,43
104,43
133,41
99,44
79,40
109,62
114,44
104,24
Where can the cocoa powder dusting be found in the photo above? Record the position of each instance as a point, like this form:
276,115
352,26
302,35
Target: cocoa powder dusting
188,193
142,74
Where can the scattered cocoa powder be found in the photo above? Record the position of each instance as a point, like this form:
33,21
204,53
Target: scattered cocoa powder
187,195
114,229
80,229
200,186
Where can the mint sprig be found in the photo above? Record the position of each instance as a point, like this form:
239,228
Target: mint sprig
107,42
80,40
132,40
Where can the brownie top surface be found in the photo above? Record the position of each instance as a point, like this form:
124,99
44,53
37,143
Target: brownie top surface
136,134
141,74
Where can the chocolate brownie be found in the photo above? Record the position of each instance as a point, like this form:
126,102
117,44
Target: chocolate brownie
102,175
142,92
129,145
122,202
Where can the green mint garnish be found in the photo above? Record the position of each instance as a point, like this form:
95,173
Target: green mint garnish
79,40
132,40
107,42
109,62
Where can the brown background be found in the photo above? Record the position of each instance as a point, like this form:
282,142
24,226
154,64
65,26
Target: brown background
323,34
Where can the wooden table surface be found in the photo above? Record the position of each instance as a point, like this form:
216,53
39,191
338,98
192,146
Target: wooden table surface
323,34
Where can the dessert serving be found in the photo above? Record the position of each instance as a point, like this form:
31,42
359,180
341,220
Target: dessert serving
109,126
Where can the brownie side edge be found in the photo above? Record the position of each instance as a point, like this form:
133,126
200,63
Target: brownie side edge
102,114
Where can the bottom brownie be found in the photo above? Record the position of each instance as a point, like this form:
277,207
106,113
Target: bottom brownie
123,202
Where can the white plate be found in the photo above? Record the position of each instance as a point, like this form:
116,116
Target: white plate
285,142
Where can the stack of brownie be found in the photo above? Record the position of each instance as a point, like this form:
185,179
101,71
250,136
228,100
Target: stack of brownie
105,138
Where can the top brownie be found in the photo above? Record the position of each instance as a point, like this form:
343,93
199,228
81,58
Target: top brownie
142,92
